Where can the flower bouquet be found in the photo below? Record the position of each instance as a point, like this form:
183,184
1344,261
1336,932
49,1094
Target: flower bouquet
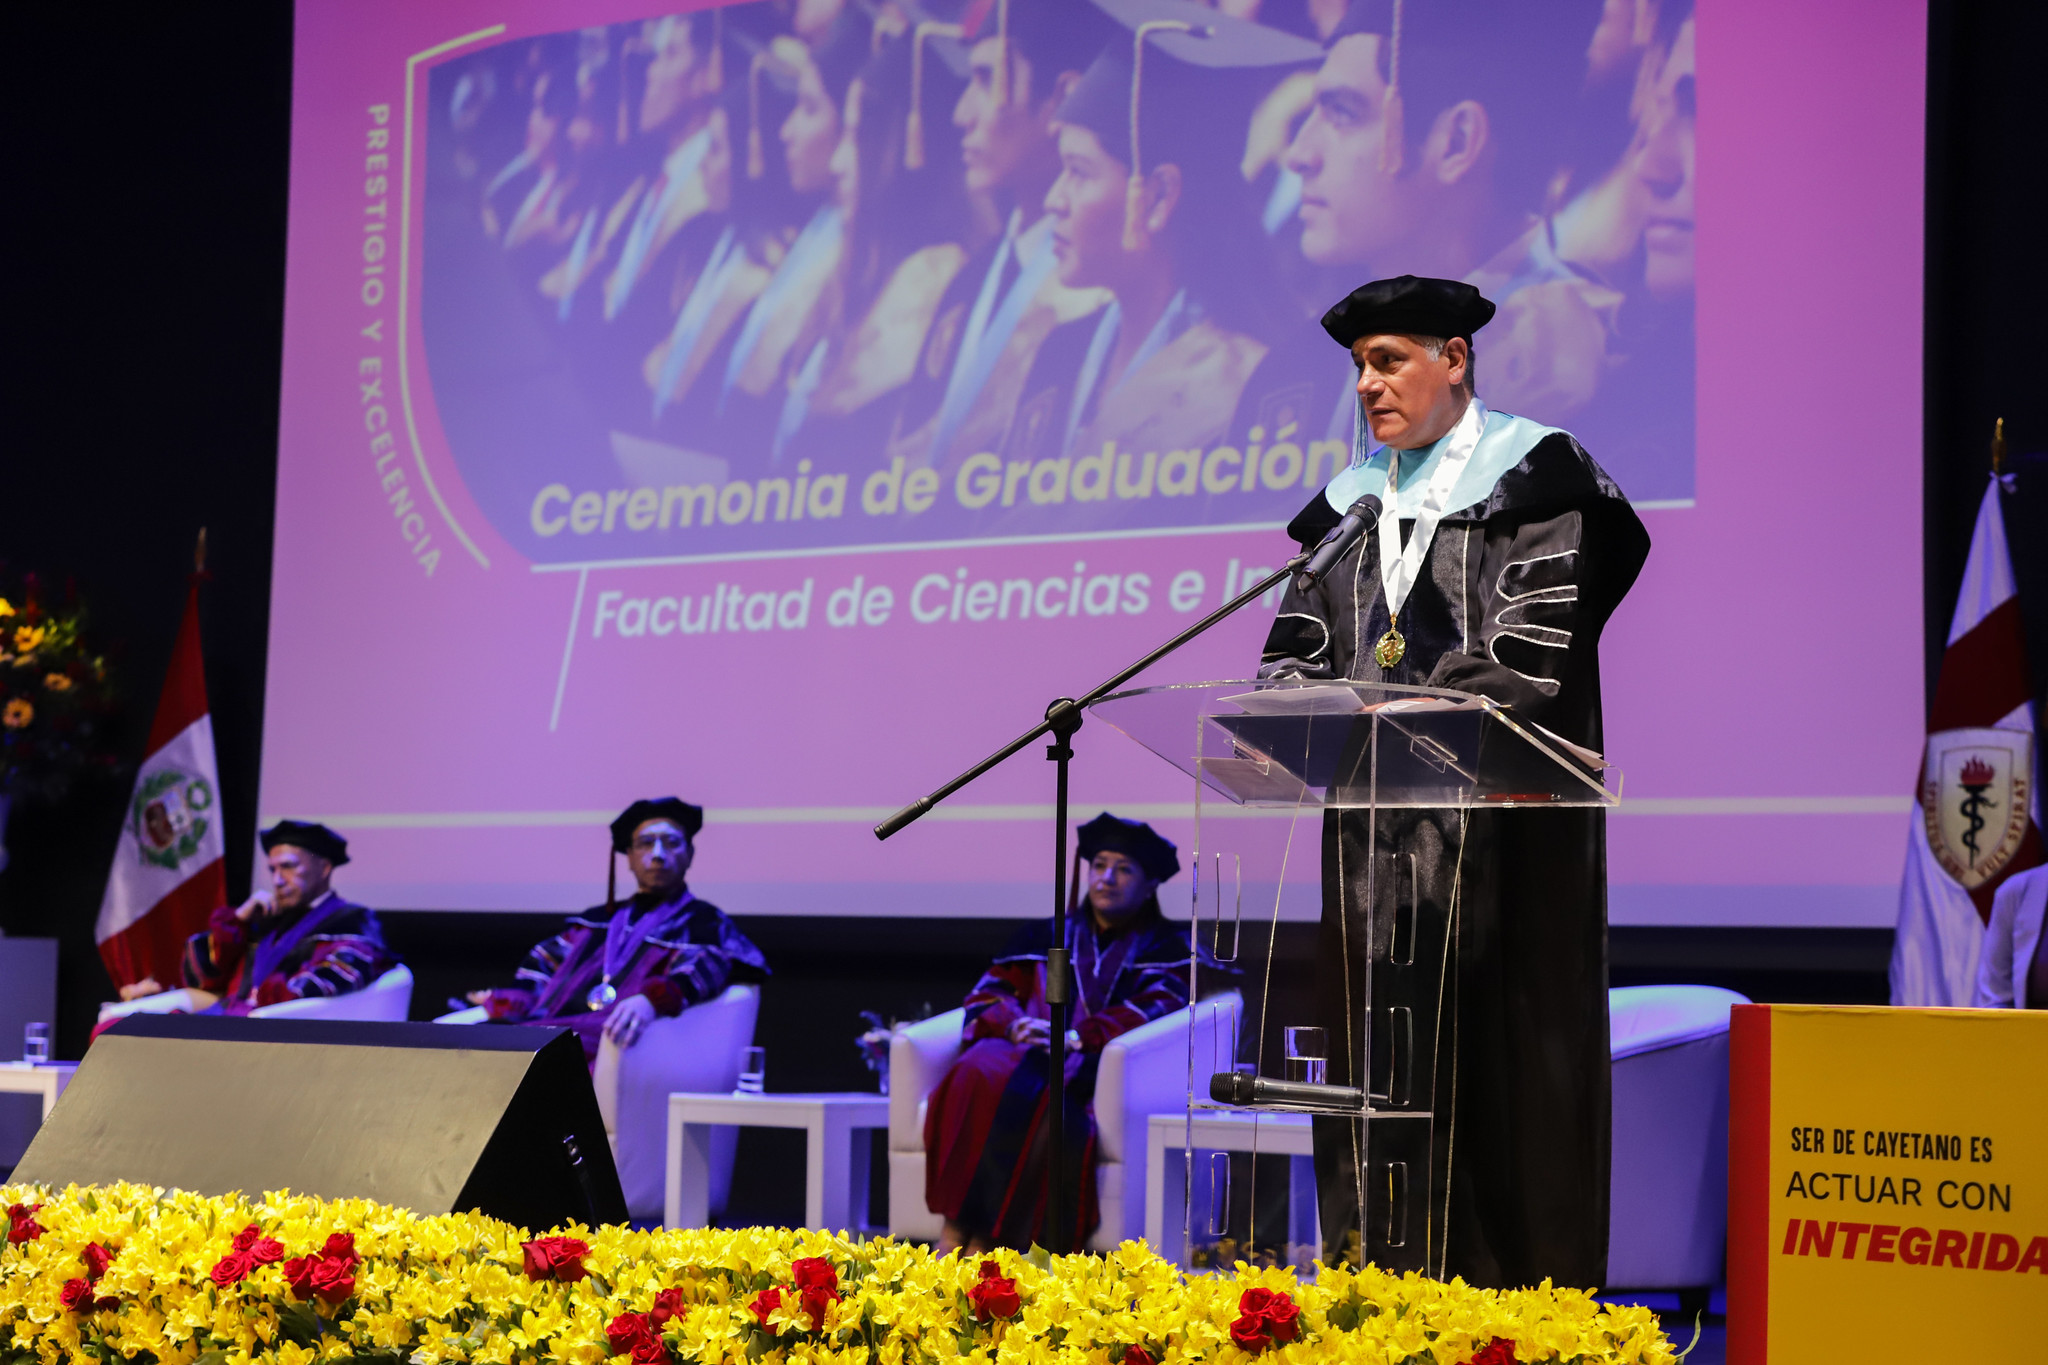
54,694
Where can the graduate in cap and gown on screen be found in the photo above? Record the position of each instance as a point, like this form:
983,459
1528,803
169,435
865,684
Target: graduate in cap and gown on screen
1427,143
290,941
1022,60
984,1132
1514,549
1151,205
766,347
618,966
896,179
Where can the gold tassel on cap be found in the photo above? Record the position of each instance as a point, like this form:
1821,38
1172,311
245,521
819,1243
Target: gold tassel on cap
1000,85
913,132
1136,238
717,63
1997,463
1392,123
757,164
199,550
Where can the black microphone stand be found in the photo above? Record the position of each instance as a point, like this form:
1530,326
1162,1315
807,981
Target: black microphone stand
1062,719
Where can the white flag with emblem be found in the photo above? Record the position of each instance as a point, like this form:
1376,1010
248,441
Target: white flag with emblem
1976,824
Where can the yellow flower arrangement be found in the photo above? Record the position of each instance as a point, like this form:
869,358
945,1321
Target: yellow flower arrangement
128,1272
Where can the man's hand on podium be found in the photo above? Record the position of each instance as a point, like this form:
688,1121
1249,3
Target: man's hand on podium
135,990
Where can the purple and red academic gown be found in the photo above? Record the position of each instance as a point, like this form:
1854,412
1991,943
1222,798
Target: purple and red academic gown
984,1138
690,954
329,949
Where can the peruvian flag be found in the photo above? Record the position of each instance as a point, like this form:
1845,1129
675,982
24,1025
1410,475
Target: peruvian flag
1978,816
168,873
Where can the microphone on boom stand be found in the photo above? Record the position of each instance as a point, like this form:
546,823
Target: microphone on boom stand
1335,545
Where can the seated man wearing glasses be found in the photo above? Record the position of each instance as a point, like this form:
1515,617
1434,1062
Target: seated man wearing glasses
616,967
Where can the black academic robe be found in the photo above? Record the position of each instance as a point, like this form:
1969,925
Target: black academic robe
1509,906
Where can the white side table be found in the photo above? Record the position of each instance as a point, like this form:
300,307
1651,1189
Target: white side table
47,1079
1216,1130
838,1129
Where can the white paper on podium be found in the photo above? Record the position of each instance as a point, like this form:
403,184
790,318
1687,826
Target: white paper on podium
1333,699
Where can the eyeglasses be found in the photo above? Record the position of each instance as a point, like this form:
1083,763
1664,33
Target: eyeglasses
669,842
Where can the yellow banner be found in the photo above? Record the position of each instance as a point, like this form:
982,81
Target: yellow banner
1888,1184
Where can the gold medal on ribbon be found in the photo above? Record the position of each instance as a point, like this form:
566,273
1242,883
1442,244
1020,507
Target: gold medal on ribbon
1390,648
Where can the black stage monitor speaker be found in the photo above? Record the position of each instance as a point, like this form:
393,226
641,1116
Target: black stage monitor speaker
431,1117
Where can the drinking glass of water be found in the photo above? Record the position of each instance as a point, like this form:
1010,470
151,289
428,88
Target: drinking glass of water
35,1044
753,1070
1307,1052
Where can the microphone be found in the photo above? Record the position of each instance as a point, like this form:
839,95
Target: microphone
1335,546
1242,1088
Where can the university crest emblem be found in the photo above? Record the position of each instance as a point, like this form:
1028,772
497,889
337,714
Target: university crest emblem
170,815
1974,794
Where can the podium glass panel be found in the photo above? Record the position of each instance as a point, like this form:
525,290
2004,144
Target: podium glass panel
1400,779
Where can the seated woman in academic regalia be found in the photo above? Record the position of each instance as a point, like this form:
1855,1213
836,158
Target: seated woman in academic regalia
985,1149
615,968
293,940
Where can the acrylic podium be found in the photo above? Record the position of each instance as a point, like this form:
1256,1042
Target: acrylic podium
1410,767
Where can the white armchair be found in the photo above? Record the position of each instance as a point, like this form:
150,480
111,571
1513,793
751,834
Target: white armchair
388,999
1143,1072
697,1050
1668,1210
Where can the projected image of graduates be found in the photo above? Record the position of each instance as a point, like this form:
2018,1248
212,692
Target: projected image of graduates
784,276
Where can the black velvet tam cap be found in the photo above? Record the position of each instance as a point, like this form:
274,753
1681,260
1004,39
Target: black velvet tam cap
317,840
687,817
1134,839
1408,305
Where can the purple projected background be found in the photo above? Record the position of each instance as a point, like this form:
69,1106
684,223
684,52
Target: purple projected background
656,419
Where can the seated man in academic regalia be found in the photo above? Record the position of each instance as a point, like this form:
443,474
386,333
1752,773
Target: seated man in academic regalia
616,968
985,1151
295,939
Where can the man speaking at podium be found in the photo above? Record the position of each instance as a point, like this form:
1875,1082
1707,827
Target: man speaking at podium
1513,549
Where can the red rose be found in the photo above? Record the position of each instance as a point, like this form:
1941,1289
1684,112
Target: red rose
22,1225
1256,1301
1283,1319
233,1268
298,1275
817,1285
246,1238
993,1295
1249,1333
636,1336
97,1258
76,1296
555,1258
333,1280
341,1246
1138,1355
267,1251
1499,1351
667,1304
764,1303
650,1350
815,1301
814,1272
